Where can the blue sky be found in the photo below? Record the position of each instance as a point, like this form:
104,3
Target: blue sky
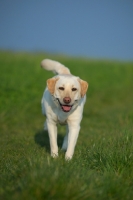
88,28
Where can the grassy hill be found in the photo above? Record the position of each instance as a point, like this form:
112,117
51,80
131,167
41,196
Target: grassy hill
102,166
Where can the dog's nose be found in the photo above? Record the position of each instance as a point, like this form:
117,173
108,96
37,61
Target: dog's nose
67,100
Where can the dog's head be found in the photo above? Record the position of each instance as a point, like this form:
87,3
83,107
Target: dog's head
67,90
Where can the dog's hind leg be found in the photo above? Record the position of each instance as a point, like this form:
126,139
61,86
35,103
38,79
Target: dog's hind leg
45,126
65,141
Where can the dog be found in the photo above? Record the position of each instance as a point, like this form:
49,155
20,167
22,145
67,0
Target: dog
63,102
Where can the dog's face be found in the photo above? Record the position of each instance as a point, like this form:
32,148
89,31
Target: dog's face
67,90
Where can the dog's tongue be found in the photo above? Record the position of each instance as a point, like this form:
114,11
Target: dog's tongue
66,108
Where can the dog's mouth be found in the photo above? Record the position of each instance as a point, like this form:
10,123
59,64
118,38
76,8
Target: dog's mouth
65,107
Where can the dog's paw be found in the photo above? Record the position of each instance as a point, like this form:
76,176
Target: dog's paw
68,157
54,155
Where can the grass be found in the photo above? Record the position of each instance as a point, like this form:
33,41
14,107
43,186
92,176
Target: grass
102,167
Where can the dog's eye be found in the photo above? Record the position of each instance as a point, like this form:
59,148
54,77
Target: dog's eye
74,89
61,88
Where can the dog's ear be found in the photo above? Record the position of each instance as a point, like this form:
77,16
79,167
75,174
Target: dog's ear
51,84
84,86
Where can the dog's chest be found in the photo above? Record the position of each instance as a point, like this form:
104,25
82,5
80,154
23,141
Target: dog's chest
62,119
62,123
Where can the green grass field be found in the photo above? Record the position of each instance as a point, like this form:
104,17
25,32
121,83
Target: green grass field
102,166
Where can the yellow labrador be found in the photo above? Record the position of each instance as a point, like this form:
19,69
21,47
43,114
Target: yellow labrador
63,102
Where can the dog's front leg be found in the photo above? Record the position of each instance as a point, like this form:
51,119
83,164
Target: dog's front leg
52,131
72,139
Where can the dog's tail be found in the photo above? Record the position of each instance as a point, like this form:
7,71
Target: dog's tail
54,66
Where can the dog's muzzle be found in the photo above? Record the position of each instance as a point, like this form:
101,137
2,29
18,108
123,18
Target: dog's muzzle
65,107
